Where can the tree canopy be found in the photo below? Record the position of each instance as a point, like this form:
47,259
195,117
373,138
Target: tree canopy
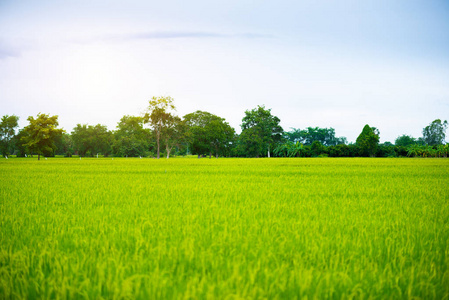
159,116
405,140
208,133
130,138
260,131
8,127
90,140
368,141
325,136
204,133
41,133
173,133
435,133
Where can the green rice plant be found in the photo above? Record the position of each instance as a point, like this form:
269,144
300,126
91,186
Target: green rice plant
279,228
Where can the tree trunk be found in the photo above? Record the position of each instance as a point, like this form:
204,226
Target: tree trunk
38,156
210,154
158,136
268,150
168,149
158,151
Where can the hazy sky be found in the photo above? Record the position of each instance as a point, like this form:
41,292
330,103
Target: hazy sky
340,64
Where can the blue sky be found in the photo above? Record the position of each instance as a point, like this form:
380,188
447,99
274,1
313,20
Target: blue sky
340,64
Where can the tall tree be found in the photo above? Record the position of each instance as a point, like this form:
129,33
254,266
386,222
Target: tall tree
435,133
130,138
20,148
325,136
64,145
159,116
368,141
198,140
8,127
317,148
81,139
221,135
90,140
405,140
260,131
208,133
41,133
174,133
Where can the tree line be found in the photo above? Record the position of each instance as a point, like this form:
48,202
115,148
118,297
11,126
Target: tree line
159,131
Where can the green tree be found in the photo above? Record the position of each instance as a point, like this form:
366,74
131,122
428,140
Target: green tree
260,131
289,149
251,143
159,116
130,138
325,136
41,133
443,150
317,148
20,149
198,139
90,140
342,150
405,140
208,133
281,150
368,141
8,127
435,133
173,133
386,149
81,139
64,145
414,150
222,137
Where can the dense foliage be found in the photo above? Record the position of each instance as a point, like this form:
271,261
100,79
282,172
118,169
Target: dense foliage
368,141
208,133
8,126
159,129
40,135
161,118
131,138
89,140
435,133
325,136
260,132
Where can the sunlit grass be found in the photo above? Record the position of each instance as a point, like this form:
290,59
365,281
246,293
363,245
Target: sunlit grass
220,228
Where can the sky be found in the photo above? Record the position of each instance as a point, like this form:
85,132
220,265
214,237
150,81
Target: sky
340,64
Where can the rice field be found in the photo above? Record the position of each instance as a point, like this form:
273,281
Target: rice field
182,228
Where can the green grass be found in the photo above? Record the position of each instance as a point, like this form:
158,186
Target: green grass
224,228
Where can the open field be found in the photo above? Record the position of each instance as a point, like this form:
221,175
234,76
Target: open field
224,228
